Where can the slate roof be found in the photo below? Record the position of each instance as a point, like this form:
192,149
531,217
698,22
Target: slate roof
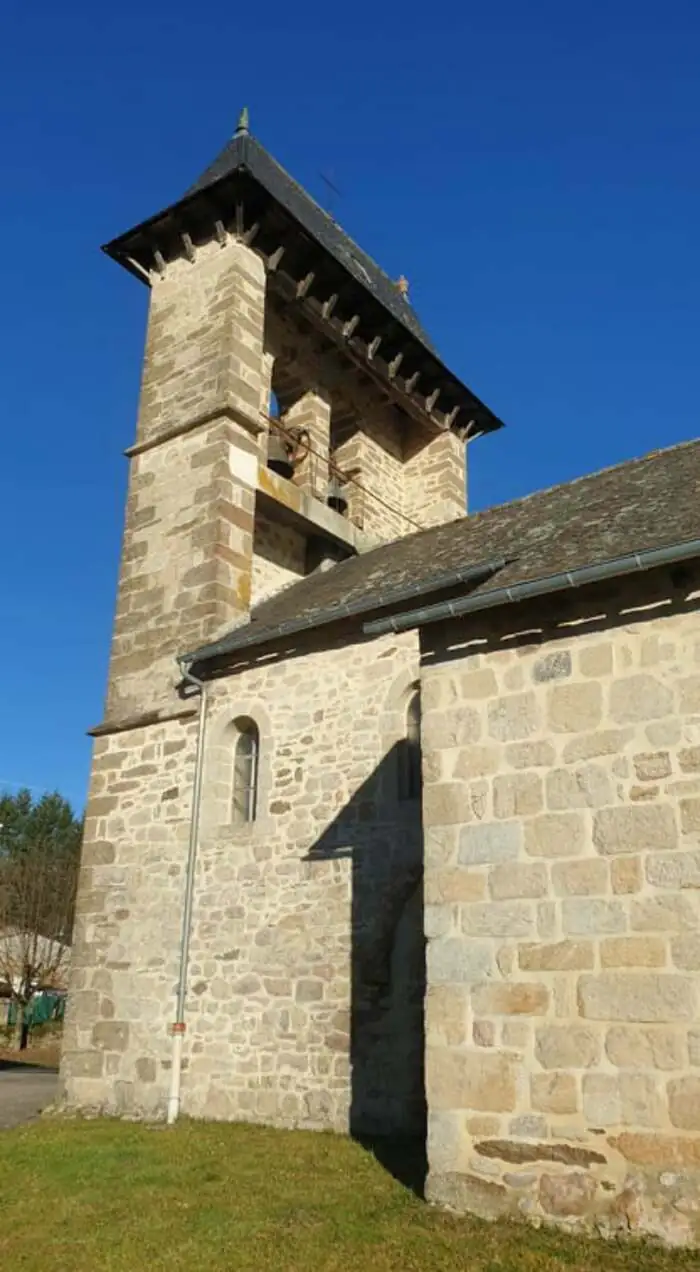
245,151
645,503
315,246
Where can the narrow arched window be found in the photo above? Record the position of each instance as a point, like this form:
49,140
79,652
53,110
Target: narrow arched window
245,772
409,755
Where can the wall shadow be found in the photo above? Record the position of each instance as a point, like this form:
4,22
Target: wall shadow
597,609
383,839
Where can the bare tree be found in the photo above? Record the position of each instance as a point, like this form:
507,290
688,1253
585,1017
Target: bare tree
38,880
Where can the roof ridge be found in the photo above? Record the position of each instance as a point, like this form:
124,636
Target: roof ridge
251,136
362,257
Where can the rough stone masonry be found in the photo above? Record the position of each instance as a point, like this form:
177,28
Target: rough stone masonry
562,876
306,972
550,858
276,984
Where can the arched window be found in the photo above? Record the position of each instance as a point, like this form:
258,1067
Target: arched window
245,772
409,754
273,406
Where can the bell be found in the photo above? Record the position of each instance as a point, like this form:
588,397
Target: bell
335,497
279,455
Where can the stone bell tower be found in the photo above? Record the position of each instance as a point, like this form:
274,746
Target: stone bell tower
292,412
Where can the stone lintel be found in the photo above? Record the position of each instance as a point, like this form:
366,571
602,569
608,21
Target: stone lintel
282,501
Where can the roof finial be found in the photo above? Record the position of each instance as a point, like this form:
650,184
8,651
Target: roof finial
402,284
242,125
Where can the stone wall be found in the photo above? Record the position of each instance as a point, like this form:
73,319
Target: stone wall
279,558
124,960
435,478
562,809
186,560
306,973
204,347
187,549
372,448
407,477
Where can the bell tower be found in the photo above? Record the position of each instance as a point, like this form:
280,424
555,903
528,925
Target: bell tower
292,412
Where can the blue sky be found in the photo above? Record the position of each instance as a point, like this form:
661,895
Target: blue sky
532,168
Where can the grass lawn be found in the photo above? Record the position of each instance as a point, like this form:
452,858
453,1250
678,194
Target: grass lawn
117,1197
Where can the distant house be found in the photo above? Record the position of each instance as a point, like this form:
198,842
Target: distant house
48,960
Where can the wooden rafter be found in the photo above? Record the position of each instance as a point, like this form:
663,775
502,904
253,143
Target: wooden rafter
274,258
365,353
304,284
224,210
248,235
139,268
431,400
341,333
373,346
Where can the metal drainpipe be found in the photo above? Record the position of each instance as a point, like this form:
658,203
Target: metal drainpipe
179,1026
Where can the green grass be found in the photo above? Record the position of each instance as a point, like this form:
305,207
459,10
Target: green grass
117,1197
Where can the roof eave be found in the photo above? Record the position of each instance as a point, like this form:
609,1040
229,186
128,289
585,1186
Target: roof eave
646,559
246,636
135,250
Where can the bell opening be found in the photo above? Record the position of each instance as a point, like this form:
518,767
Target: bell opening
336,498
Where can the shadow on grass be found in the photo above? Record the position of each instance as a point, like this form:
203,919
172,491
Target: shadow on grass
404,1157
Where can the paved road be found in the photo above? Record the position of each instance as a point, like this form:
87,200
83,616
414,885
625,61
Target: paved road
24,1092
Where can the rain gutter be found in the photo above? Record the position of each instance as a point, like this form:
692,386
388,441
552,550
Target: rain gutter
253,633
612,569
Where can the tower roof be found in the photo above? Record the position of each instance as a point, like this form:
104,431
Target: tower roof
246,192
244,151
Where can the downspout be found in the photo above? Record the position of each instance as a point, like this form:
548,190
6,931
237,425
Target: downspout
648,559
179,1026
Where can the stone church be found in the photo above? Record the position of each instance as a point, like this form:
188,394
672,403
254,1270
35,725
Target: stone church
394,818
